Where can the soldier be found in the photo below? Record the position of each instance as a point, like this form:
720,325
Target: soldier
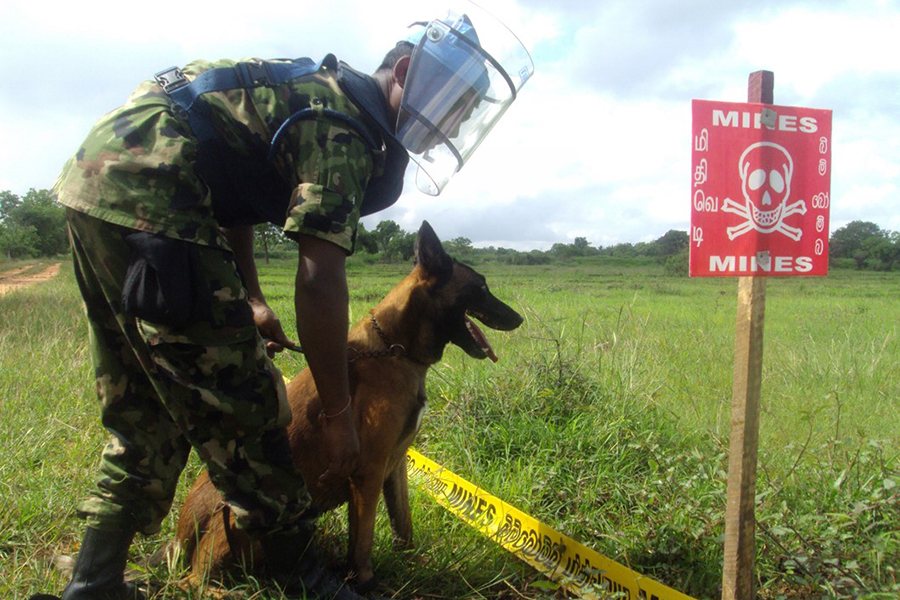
161,201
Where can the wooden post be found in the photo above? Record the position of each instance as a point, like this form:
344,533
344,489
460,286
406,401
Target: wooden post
738,577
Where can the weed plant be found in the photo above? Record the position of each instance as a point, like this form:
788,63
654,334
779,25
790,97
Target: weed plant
607,418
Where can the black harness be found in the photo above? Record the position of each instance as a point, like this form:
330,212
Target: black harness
248,189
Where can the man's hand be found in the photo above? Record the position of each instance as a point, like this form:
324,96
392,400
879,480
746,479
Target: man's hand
241,241
269,326
341,447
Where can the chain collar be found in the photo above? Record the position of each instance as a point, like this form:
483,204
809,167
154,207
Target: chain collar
392,350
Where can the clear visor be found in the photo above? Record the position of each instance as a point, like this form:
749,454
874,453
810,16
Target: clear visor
464,73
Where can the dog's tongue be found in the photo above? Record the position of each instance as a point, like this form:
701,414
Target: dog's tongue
480,339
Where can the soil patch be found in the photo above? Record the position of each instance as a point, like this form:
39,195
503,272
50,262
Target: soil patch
26,276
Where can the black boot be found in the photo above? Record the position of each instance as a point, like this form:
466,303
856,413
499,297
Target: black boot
99,571
294,565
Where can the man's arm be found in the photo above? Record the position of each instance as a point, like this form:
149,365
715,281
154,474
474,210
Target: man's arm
241,241
321,300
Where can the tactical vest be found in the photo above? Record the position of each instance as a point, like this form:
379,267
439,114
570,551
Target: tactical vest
247,189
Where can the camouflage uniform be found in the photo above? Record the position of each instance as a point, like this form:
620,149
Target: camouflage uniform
207,382
136,169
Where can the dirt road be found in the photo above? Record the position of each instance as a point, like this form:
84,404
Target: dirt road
26,276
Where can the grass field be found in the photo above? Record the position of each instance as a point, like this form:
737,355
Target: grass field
607,418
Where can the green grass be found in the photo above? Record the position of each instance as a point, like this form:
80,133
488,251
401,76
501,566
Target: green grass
607,418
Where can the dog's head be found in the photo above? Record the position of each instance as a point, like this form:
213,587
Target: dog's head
457,292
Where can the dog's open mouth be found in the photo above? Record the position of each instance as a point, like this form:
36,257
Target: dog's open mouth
489,312
479,338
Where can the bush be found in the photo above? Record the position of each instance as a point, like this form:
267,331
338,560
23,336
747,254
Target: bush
534,257
677,264
842,263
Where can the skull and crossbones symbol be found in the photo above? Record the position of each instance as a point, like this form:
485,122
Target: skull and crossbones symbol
766,170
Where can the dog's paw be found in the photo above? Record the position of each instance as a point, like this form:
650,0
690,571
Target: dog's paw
402,545
366,586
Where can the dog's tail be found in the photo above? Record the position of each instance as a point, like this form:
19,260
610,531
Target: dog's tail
167,553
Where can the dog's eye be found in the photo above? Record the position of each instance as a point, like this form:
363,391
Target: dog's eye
478,293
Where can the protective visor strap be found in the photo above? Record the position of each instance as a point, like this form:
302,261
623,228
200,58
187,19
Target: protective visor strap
491,60
438,134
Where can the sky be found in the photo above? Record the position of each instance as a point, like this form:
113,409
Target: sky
597,145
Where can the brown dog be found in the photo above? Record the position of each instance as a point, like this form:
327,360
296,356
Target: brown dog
390,352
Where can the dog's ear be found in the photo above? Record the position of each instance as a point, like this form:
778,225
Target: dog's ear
429,253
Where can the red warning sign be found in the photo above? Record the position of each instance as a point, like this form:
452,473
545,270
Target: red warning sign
760,189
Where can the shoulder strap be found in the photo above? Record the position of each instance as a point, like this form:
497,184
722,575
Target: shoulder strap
233,178
242,75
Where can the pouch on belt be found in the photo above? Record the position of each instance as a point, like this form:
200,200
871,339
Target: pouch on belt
164,283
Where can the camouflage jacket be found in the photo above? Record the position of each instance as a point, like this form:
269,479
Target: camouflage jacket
137,166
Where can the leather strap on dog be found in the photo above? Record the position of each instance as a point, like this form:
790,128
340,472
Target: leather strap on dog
229,532
392,350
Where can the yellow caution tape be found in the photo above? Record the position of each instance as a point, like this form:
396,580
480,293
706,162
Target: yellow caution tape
565,561
570,564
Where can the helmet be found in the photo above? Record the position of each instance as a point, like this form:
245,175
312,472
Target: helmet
465,71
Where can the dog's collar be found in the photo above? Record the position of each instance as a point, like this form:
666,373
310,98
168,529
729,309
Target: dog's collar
392,350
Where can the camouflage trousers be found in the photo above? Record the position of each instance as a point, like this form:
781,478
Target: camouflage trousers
165,389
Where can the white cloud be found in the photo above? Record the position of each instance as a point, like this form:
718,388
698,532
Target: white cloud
808,48
596,146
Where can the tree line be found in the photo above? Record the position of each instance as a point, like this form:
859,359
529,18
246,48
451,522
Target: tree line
388,242
864,245
33,225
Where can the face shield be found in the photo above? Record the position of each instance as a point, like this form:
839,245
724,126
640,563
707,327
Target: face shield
464,73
